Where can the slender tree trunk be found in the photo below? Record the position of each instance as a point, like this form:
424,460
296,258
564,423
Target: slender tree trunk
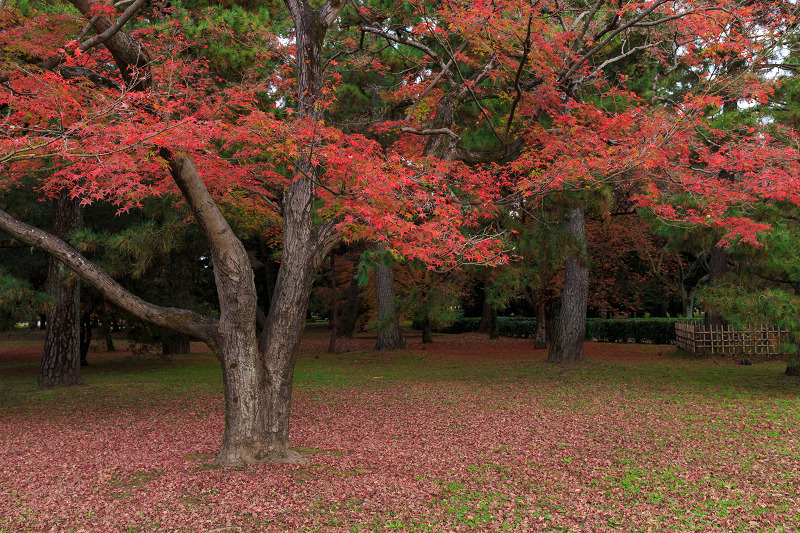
390,337
334,306
567,346
351,307
61,355
85,337
540,339
105,328
179,292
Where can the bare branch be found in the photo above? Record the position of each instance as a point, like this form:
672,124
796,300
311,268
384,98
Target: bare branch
433,131
114,28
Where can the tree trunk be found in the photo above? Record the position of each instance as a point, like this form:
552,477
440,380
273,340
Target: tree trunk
85,337
105,328
350,317
486,315
793,365
718,265
390,337
176,344
540,339
567,346
179,291
494,332
427,330
61,355
334,306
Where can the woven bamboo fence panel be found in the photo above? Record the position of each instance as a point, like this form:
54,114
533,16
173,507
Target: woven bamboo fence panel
723,340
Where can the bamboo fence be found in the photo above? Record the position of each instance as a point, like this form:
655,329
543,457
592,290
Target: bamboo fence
723,340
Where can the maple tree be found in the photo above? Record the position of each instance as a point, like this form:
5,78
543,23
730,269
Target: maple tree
497,101
532,92
109,134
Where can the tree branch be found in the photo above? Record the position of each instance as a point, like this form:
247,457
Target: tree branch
181,320
114,28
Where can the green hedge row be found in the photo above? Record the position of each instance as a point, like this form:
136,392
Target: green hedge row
652,330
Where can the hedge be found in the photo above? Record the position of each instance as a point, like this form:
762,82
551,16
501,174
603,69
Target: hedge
638,330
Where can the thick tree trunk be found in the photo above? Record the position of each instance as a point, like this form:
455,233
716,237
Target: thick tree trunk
486,315
718,265
176,344
494,332
567,346
304,250
540,338
61,355
427,330
347,326
390,337
793,365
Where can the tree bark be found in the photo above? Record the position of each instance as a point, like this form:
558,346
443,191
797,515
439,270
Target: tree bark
390,337
427,330
179,289
334,306
494,332
540,338
718,265
176,344
486,315
105,328
61,355
351,308
793,365
257,373
567,346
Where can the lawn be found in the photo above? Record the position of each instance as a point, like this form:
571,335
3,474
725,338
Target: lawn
463,435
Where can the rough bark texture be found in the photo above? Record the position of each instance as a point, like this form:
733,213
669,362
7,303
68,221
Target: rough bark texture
304,248
61,355
567,346
540,338
246,439
718,265
390,337
347,326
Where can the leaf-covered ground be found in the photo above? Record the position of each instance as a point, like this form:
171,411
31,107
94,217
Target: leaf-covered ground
464,435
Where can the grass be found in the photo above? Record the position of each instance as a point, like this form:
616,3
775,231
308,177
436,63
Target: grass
465,435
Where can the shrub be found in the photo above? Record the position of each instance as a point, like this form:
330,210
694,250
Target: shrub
649,330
